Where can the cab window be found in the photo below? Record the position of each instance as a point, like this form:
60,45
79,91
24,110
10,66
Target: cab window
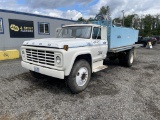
96,33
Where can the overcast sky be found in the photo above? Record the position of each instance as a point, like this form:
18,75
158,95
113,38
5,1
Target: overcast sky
73,9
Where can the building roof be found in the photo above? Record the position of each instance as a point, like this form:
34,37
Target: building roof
95,25
36,15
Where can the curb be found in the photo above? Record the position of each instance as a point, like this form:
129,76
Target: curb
9,54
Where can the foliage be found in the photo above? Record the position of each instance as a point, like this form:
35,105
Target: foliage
81,19
91,19
147,25
104,10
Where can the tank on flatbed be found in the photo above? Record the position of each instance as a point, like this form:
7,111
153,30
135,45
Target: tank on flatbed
118,36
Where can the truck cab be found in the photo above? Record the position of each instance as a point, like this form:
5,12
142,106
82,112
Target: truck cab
77,52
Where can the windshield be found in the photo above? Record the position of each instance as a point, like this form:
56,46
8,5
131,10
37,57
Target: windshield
76,32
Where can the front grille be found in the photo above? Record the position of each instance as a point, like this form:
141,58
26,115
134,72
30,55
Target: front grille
40,56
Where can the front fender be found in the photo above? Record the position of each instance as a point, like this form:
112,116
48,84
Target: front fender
72,59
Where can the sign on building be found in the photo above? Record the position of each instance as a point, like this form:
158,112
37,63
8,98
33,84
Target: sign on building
21,28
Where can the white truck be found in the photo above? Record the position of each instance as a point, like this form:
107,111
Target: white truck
79,50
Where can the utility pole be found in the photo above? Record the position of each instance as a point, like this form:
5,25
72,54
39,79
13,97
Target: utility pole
123,16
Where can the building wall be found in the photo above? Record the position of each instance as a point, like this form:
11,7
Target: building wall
14,43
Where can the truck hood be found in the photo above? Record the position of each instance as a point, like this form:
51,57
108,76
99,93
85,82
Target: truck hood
58,42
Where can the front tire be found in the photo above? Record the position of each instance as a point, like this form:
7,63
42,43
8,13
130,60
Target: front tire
79,77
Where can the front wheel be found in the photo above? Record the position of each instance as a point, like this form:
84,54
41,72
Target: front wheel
79,77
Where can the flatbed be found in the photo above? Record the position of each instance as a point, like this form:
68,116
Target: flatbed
123,48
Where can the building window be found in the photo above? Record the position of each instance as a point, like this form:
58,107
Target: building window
1,25
43,28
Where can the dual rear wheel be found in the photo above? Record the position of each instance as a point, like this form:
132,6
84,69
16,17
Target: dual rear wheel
126,58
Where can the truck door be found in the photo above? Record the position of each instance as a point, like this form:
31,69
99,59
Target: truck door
99,45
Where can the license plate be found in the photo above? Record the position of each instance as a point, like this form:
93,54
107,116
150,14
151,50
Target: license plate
36,69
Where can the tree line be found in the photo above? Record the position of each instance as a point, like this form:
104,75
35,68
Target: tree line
147,25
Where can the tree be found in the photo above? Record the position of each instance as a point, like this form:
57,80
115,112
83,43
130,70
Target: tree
128,21
104,10
117,21
147,25
81,19
90,19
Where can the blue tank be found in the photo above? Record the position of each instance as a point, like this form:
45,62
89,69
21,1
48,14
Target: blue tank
118,36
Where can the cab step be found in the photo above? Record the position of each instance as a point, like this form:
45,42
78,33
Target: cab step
99,68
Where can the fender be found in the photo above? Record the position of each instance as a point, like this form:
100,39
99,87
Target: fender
69,68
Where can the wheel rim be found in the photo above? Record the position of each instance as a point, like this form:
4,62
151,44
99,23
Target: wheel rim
82,76
131,59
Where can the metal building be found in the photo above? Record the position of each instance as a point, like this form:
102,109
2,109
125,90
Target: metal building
16,27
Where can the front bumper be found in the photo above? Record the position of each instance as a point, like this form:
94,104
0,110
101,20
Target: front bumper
43,70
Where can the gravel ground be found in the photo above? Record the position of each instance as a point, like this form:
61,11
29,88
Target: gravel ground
117,93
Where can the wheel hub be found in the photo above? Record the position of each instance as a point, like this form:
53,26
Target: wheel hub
82,76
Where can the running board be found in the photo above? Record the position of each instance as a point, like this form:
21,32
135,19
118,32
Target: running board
99,68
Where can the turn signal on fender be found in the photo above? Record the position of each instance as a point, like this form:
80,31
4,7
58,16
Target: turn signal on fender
65,47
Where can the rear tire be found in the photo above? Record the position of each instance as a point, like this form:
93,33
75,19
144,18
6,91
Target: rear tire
79,77
129,58
126,59
37,75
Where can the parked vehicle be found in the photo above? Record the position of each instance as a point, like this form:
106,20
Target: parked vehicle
140,38
145,40
157,37
79,51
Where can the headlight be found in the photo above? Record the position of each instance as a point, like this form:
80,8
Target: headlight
23,54
58,60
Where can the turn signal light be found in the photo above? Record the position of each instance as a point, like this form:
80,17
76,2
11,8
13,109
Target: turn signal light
65,47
